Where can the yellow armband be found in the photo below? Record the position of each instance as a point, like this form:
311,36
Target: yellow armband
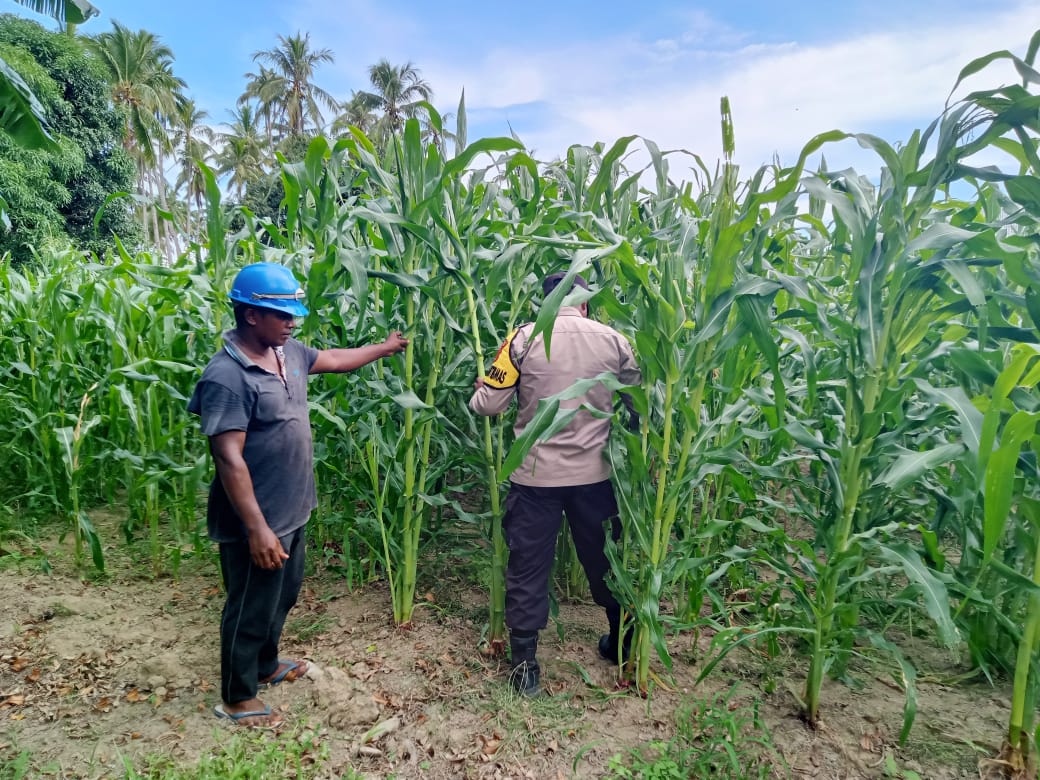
503,373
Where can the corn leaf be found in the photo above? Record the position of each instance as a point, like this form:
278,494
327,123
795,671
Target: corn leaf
87,529
907,680
909,467
932,589
1000,478
968,415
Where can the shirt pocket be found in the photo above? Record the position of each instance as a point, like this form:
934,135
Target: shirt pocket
269,406
296,380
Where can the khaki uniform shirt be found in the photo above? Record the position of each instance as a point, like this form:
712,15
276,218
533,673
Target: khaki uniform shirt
580,349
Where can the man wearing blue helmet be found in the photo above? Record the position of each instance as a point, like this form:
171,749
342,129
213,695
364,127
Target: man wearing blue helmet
252,399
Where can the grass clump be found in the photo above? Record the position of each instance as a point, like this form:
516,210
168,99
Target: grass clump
299,753
715,737
15,765
309,627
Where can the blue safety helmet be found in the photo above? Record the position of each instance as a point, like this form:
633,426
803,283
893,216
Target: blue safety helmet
268,286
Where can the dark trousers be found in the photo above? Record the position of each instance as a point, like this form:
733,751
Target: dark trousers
531,524
254,614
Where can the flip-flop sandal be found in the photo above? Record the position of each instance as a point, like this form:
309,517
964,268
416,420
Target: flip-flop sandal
287,666
237,717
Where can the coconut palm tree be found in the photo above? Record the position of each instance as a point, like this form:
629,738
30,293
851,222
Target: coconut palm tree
438,134
294,62
397,92
357,112
192,141
268,89
139,70
243,151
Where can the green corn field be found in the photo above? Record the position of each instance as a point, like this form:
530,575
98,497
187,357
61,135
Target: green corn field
838,413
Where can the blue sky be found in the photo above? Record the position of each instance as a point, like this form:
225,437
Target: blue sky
558,73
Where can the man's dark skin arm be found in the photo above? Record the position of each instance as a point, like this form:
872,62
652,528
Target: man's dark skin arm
264,547
632,423
343,359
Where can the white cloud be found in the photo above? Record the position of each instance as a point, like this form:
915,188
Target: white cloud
668,90
666,84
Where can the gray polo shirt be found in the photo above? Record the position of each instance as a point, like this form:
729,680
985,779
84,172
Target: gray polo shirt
235,394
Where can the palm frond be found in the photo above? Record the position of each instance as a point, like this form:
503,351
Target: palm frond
21,114
65,11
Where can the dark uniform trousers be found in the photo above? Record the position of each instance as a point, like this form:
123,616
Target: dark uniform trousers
258,601
531,524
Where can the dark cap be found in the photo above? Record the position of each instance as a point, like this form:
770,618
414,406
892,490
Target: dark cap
552,281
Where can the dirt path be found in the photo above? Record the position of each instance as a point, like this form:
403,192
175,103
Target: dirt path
96,674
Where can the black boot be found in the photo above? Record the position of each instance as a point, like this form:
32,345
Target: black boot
608,643
525,674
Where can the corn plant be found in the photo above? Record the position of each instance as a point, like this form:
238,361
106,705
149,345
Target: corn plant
1010,484
881,284
897,254
999,510
110,332
71,439
913,278
415,226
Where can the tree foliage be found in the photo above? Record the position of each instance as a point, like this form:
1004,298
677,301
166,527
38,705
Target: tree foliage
398,91
139,70
55,195
289,85
264,193
244,150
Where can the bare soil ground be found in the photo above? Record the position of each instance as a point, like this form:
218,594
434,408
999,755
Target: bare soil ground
101,673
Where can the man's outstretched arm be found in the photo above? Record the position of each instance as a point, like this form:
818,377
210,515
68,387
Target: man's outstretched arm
341,360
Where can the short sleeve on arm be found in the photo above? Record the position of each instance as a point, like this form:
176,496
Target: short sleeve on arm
500,383
221,409
309,354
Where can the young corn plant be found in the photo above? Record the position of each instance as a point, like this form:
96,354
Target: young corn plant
402,258
907,267
995,493
1009,445
1010,480
1002,579
991,233
430,223
71,439
883,282
713,266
